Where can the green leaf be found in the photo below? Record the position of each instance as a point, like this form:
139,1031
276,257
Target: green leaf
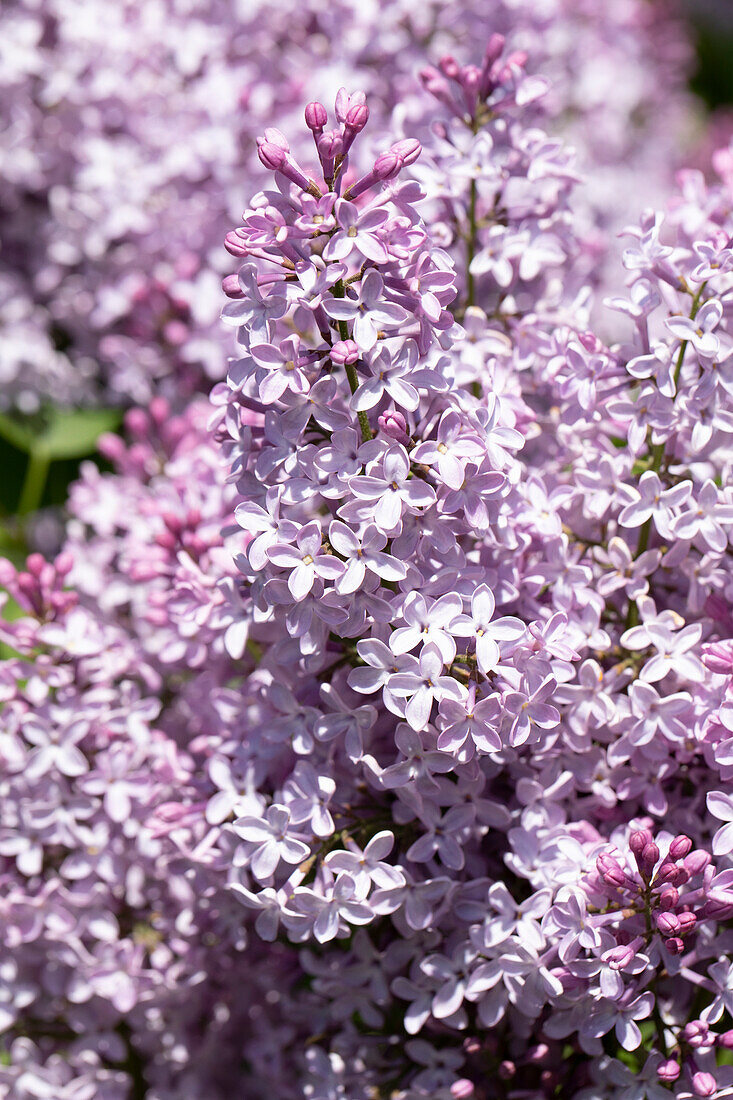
20,435
59,433
74,433
10,611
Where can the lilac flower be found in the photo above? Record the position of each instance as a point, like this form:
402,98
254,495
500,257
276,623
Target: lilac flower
367,866
305,560
428,622
328,912
488,633
357,230
368,311
422,685
720,805
270,840
394,491
362,554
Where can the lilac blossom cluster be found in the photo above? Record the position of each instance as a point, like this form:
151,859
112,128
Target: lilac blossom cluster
486,575
370,736
103,297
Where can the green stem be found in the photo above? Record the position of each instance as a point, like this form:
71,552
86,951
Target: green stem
657,453
34,482
471,245
366,431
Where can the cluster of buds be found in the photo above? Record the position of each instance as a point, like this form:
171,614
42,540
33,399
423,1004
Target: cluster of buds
671,884
464,88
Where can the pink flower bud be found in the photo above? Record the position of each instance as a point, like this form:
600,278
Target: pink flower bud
704,1084
462,1089
610,870
394,425
648,858
316,116
271,155
408,150
638,841
696,1034
718,657
111,447
344,102
449,67
494,49
63,563
669,899
386,165
680,847
687,923
345,351
35,563
507,1070
235,245
619,957
230,286
330,145
159,409
667,923
697,861
471,78
357,117
276,137
136,422
674,945
668,1071
725,1040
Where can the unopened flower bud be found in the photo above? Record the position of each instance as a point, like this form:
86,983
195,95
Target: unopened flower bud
343,352
687,923
696,1034
357,117
471,78
669,898
610,871
648,858
704,1084
230,286
235,245
725,1039
387,165
394,425
462,1089
449,67
507,1070
63,563
408,150
271,155
697,861
330,145
316,116
668,1071
639,840
619,957
680,847
674,945
667,923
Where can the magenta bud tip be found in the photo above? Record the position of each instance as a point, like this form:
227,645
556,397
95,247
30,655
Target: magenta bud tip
316,116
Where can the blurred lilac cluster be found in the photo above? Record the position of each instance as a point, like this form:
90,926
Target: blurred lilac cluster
126,141
369,737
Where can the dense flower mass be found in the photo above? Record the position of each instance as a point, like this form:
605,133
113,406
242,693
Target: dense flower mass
111,230
372,733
